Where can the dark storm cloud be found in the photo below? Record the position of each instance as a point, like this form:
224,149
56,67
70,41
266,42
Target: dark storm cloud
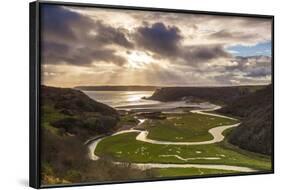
60,24
159,38
75,39
54,53
202,53
166,42
110,35
71,38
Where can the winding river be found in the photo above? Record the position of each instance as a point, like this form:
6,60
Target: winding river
216,132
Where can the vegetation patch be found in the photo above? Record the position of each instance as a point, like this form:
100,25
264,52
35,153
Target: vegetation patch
68,118
189,127
125,147
180,172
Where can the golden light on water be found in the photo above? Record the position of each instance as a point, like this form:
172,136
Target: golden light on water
133,98
136,96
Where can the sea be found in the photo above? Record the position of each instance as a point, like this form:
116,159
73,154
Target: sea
136,100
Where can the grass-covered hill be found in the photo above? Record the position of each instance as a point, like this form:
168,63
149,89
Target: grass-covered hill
255,132
74,112
213,94
68,119
74,101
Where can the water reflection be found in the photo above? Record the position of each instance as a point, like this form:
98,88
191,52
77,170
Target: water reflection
121,98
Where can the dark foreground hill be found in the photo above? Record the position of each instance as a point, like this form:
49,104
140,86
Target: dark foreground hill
68,118
74,101
212,94
255,132
76,112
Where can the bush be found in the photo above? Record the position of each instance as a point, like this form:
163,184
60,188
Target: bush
65,159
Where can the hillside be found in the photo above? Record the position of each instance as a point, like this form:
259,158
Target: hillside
255,132
212,94
76,113
68,119
117,88
253,104
74,100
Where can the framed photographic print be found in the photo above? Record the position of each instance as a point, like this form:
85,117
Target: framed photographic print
131,94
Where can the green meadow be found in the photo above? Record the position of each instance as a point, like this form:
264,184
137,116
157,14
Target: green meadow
189,127
181,127
178,172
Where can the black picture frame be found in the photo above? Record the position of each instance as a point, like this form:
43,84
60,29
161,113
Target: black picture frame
35,81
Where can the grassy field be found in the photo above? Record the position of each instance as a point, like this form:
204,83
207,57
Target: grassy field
178,172
190,127
185,127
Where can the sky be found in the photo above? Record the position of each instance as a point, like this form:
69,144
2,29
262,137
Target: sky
93,46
